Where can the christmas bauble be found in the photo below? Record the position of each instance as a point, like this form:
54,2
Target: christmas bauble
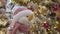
46,25
55,8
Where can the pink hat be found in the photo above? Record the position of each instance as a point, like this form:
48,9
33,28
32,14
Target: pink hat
18,10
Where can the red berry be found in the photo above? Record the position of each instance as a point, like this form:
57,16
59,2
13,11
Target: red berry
55,8
31,9
46,25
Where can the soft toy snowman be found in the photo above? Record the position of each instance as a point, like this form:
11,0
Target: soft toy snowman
21,20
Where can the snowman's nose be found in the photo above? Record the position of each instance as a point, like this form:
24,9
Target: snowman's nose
30,17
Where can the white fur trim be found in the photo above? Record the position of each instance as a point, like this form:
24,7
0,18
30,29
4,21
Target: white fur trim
16,7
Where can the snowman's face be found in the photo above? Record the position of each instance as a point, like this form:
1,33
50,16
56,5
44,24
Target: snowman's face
28,14
26,20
